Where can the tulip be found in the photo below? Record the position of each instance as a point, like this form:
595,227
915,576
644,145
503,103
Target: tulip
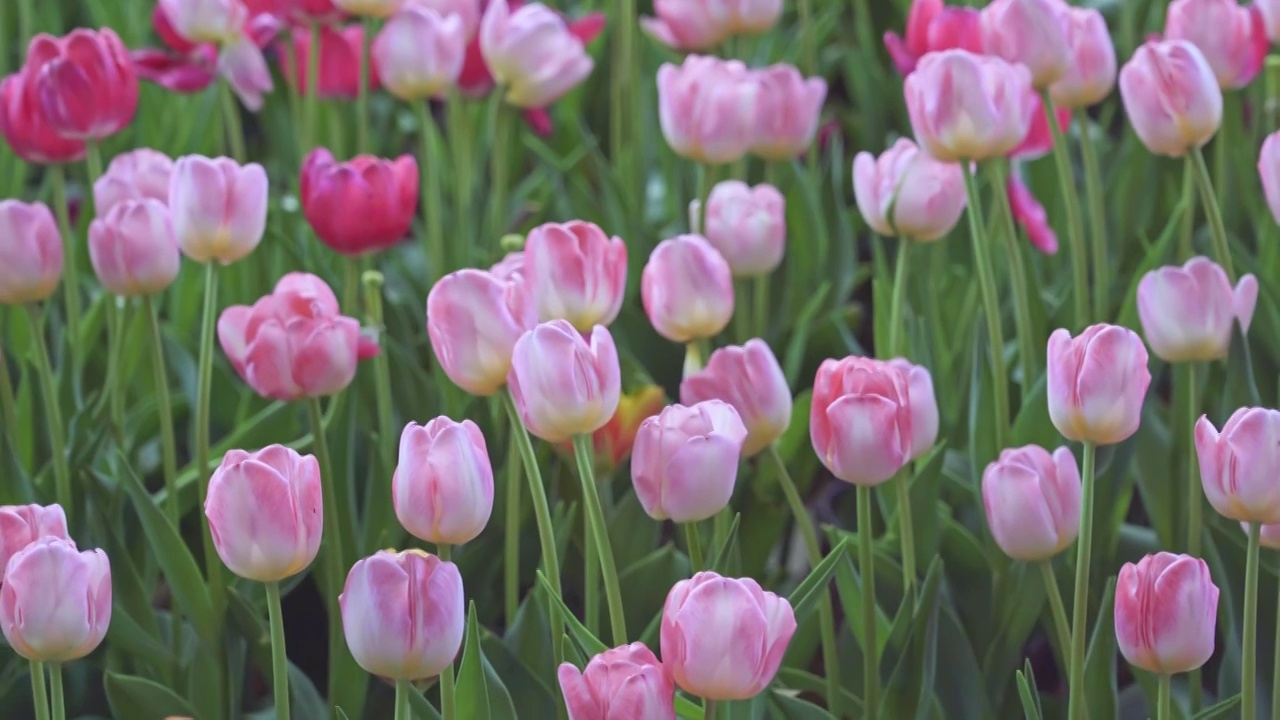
55,604
185,67
707,108
1031,216
686,461
30,253
21,525
419,53
370,8
213,21
1029,32
575,272
468,11
1097,381
1166,613
1232,37
85,83
1032,500
1269,16
442,488
1092,71
564,384
300,12
1269,171
703,24
924,408
787,110
1171,96
687,289
625,683
748,225
219,207
931,27
1237,465
1188,312
244,66
23,125
860,419
402,614
474,320
724,638
136,175
968,107
364,205
265,512
925,196
340,65
532,52
133,248
750,379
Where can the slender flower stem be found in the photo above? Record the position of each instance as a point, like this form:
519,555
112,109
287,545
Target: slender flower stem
705,181
52,413
204,380
115,343
8,410
991,308
1217,230
310,98
511,540
1097,219
896,305
1275,675
621,112
600,537
460,140
71,267
231,120
866,567
1079,617
1071,201
56,693
1194,491
168,446
590,578
388,435
403,712
279,658
39,693
694,540
760,296
808,53
902,483
1249,656
362,96
448,700
92,163
1060,625
499,163
1028,353
1186,229
710,710
335,565
1165,698
432,202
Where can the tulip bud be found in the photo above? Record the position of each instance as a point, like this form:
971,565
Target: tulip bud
1231,36
219,207
683,25
1171,96
474,320
625,683
562,385
1032,501
403,614
788,106
967,107
924,407
1188,312
1237,465
55,604
443,485
419,53
133,249
907,193
532,52
21,525
1166,613
707,108
85,81
1092,71
724,638
748,225
364,205
1097,382
750,379
687,289
136,175
30,253
860,420
1028,32
575,272
686,461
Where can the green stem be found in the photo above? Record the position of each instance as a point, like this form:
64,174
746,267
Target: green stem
1165,698
279,658
590,578
403,711
991,308
362,96
53,414
761,298
1194,491
231,118
866,567
310,99
432,203
8,411
808,52
460,139
1187,230
56,693
71,266
706,181
92,163
1028,352
39,693
902,487
710,710
896,331
511,540
499,163
1079,616
1275,674
335,565
622,117
600,536
1249,658
1071,202
26,23
1097,219
168,446
448,700
114,383
694,540
204,380
378,514
1060,625
1217,230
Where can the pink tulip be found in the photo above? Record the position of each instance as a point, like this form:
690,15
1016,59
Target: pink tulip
340,65
532,52
442,488
1032,500
575,272
860,419
474,320
468,11
750,379
23,125
1231,36
788,106
1269,171
85,83
363,205
21,525
707,108
1171,97
703,24
724,638
219,207
925,196
265,512
136,175
685,461
1097,382
403,614
1031,216
564,384
1166,613
30,253
931,27
924,407
1237,465
748,225
687,289
370,8
968,107
1188,312
1092,71
1269,15
55,604
419,53
1031,33
213,21
133,248
625,683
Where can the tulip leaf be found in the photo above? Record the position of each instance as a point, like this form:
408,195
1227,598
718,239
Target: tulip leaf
1029,692
420,708
788,707
1100,660
805,597
687,709
645,584
134,697
527,689
588,643
480,692
126,634
807,682
1218,710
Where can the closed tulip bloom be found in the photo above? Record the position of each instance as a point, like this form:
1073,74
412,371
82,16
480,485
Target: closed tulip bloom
403,614
1166,613
707,108
860,419
1232,37
1097,382
133,248
136,175
925,196
55,604
87,87
1032,500
684,25
213,21
370,8
931,27
685,461
474,320
363,205
1237,465
625,683
564,384
532,52
219,207
1188,312
749,378
1031,33
340,61
419,53
687,289
724,638
748,225
575,272
924,406
968,107
30,253
1171,96
443,484
468,11
265,512
23,125
788,106
1092,71
1269,171
21,525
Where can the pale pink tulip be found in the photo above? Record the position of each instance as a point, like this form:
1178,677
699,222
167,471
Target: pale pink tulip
925,196
575,272
788,106
750,379
1166,613
1188,312
1032,501
219,207
21,525
133,248
860,420
625,683
55,604
1269,14
968,107
685,461
442,488
924,406
564,384
469,11
419,53
1269,172
1231,36
703,24
687,289
1237,465
748,225
532,52
213,21
707,108
1092,71
136,175
1171,96
30,253
1030,33
1097,382
474,319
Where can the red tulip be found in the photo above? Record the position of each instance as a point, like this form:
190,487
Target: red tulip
362,205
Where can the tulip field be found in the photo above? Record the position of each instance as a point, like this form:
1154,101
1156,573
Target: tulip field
640,359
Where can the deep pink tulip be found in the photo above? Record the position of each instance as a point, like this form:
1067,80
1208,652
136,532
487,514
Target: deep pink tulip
140,174
707,108
71,622
748,225
474,319
1269,172
724,638
575,272
1092,71
442,488
85,82
403,614
219,207
30,253
685,460
1032,501
360,206
1031,33
564,384
1097,382
1232,37
788,106
704,24
1031,216
532,53
1171,96
860,420
750,379
924,406
23,125
133,248
265,512
1188,312
1166,613
687,289
21,525
968,107
931,27
340,66
1237,465
419,53
926,196
625,683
